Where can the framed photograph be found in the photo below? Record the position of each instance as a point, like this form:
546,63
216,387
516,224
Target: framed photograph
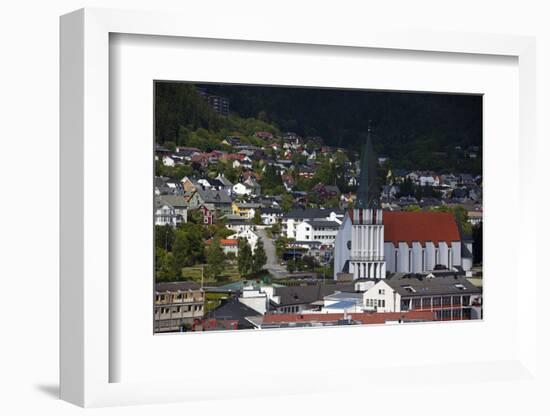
257,205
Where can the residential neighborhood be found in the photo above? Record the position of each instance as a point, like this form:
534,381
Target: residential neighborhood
258,228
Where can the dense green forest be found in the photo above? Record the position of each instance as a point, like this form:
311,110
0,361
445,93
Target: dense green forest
415,130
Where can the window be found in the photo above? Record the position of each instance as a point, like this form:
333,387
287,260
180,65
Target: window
446,300
437,302
416,303
381,291
426,303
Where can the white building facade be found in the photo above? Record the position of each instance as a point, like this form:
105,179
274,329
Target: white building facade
360,244
407,242
322,231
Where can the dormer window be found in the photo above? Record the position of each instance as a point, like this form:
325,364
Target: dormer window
409,289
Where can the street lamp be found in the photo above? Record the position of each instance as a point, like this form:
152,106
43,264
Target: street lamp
201,268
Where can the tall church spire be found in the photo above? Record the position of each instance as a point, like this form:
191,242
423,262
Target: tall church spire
368,193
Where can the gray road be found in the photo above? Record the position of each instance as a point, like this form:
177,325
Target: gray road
272,264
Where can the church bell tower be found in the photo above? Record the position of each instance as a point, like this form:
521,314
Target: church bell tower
367,230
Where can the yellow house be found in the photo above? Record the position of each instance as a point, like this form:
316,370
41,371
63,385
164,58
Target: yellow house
244,209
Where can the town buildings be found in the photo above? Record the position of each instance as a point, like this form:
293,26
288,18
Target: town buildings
390,256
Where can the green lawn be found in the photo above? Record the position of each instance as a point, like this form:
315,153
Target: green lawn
229,274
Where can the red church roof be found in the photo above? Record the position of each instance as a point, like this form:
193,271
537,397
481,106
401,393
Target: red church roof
421,226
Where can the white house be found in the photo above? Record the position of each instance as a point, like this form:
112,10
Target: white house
255,298
323,231
451,297
245,162
179,205
380,298
248,235
271,216
168,161
165,215
291,220
243,189
428,180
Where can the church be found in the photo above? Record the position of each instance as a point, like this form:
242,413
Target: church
372,243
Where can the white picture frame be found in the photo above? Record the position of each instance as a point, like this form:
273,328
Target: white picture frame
86,353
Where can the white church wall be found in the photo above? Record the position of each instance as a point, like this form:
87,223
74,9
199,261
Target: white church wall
443,254
456,251
389,254
403,258
341,251
430,255
416,257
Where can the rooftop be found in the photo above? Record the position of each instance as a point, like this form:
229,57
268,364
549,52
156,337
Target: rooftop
176,286
363,318
297,295
323,223
422,285
420,226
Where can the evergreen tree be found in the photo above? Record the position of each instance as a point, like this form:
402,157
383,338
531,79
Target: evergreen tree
164,237
188,248
260,258
245,259
215,259
165,266
270,181
257,216
287,202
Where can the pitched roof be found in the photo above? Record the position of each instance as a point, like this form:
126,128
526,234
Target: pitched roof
310,213
234,310
176,286
421,226
420,285
323,223
173,200
298,295
214,196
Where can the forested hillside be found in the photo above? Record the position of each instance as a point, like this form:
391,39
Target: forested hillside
415,130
